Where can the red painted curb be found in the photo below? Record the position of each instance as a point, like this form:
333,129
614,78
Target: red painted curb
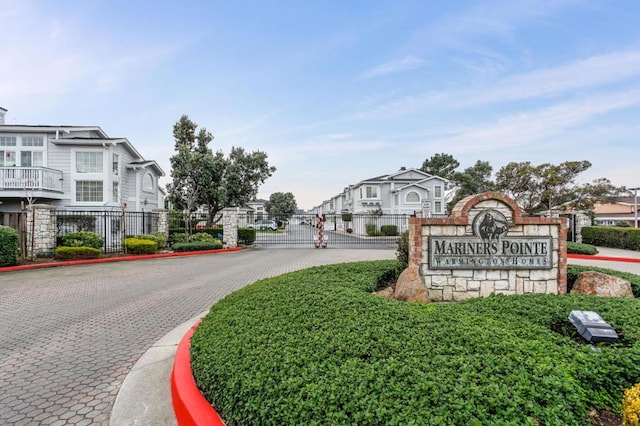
189,406
609,258
113,259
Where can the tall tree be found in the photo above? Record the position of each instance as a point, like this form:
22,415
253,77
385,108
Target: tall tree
473,180
549,186
281,205
201,177
443,165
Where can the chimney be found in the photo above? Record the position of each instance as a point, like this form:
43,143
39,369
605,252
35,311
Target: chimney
2,113
403,168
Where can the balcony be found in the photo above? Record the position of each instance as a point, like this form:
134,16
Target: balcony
30,179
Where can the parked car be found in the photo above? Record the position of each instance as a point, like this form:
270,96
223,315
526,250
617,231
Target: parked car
264,225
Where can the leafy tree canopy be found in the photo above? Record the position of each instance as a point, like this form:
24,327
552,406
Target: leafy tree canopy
443,165
201,177
281,205
473,180
549,186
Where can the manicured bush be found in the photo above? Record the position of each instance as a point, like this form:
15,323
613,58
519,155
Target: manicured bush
140,246
610,236
76,253
9,245
372,230
347,217
579,248
631,406
389,230
246,236
82,239
197,246
349,231
79,222
622,224
316,347
158,237
201,237
574,270
402,252
216,233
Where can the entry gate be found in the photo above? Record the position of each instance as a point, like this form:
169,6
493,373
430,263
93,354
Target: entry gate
340,230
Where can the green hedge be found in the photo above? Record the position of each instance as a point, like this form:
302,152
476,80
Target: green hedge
389,230
9,244
202,237
159,237
197,246
579,248
372,230
612,236
81,239
140,246
315,347
246,236
76,253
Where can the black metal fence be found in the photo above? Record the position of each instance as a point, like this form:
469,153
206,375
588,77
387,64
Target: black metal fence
112,226
340,230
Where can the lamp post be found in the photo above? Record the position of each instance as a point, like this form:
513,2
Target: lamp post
635,206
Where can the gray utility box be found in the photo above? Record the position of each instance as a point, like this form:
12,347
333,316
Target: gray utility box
592,327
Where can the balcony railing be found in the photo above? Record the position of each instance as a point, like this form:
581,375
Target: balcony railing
30,178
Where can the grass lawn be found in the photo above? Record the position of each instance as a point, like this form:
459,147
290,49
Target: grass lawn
316,347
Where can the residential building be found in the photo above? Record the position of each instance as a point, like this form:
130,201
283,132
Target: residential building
406,191
74,168
624,209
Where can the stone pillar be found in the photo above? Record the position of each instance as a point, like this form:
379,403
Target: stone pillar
41,230
161,219
230,227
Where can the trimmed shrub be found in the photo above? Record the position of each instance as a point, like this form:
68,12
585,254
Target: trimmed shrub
76,253
402,252
622,224
574,270
631,406
372,230
82,239
140,246
614,237
216,232
347,217
389,230
349,231
197,246
158,237
579,248
201,237
325,351
9,244
246,236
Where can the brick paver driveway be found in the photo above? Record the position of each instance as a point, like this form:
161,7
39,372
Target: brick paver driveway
69,335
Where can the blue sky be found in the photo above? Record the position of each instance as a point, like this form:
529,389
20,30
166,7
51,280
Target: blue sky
338,91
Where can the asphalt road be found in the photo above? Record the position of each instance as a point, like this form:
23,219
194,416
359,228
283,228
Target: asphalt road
70,335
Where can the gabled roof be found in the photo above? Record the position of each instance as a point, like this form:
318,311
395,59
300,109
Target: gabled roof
144,164
51,129
397,177
417,184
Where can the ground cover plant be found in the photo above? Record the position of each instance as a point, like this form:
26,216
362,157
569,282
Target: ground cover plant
316,347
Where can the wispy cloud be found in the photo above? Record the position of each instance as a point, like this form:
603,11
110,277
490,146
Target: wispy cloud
405,64
596,72
532,128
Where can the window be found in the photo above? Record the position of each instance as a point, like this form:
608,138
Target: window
147,182
115,164
372,192
32,141
7,141
437,191
89,191
115,196
88,162
413,197
31,158
8,158
437,207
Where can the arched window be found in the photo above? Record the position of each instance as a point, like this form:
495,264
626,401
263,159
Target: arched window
412,197
147,182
